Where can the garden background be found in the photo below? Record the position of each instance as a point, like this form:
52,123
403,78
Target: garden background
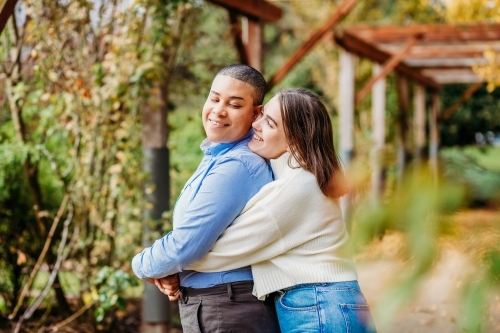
76,80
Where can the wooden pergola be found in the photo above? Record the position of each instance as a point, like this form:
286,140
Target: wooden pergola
428,55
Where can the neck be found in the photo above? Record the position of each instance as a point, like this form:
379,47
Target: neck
281,166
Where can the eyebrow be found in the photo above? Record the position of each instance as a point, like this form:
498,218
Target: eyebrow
274,121
230,97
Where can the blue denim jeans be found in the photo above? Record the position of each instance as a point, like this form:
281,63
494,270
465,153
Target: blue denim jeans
337,307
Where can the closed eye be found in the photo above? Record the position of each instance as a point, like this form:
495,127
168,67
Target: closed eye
269,123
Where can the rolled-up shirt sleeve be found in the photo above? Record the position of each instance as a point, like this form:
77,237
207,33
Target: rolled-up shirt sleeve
221,196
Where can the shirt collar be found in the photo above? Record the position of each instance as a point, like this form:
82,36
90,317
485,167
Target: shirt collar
217,149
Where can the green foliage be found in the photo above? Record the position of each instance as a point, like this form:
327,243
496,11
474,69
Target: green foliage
479,114
78,97
482,185
110,284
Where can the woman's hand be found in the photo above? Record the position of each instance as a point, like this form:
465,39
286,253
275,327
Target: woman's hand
170,286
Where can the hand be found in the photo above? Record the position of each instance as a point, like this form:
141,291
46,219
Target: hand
170,286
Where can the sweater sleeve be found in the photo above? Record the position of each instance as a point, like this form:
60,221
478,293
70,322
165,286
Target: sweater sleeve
268,227
254,236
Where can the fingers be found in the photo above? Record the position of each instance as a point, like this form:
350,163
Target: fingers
169,286
175,296
158,284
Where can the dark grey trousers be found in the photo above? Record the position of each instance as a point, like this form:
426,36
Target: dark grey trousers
226,308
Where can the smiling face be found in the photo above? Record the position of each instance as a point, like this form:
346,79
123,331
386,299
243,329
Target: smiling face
229,110
269,140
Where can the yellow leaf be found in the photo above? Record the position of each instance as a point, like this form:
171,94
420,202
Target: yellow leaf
120,155
116,168
53,76
21,257
43,213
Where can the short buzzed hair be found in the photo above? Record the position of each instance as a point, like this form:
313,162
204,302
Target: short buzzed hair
249,75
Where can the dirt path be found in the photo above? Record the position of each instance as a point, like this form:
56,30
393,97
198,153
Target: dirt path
435,307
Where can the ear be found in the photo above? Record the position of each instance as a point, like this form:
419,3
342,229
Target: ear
256,111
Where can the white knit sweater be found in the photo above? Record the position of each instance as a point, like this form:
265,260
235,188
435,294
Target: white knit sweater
289,232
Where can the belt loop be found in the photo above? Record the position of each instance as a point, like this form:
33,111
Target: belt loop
230,292
184,295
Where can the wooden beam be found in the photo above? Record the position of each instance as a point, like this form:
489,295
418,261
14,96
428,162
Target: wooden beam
454,79
441,50
434,134
402,127
433,32
6,10
464,98
458,75
339,14
237,38
445,63
388,66
364,49
254,9
253,40
378,134
419,122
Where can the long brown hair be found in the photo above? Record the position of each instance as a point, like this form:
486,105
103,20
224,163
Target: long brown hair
309,134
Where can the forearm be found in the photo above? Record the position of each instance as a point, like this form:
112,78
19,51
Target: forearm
201,224
158,261
252,238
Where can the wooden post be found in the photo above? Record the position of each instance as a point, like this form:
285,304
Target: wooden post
252,36
419,123
378,133
155,305
236,31
402,125
434,134
346,119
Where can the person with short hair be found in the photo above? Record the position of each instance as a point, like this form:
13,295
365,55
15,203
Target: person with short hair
227,177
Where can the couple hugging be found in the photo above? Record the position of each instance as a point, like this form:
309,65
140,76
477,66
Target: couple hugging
259,244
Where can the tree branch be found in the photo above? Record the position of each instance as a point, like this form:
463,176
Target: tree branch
41,258
60,257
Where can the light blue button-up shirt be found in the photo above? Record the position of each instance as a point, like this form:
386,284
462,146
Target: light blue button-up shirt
227,177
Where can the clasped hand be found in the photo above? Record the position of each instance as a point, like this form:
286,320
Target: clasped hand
169,285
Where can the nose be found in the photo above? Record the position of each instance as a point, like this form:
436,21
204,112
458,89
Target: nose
219,110
256,124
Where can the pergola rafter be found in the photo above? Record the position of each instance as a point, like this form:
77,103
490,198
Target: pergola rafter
445,54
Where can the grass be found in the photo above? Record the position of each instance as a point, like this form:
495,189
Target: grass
488,157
